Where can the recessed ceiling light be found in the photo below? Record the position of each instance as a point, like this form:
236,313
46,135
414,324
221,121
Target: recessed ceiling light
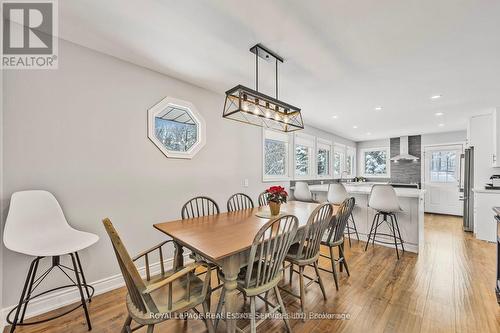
438,114
441,125
378,108
335,117
368,133
355,126
436,97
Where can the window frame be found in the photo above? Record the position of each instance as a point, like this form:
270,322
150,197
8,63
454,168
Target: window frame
302,139
338,148
281,137
351,152
387,164
324,144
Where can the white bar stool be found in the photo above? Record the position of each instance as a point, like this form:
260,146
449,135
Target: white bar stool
384,200
36,226
302,192
337,193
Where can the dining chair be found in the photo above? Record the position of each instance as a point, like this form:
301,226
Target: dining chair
155,299
36,227
384,200
239,201
197,207
264,267
334,238
337,193
306,252
302,192
263,199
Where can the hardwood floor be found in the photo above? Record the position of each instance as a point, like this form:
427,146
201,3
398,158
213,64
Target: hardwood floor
447,287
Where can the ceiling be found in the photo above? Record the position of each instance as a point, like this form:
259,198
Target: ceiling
342,58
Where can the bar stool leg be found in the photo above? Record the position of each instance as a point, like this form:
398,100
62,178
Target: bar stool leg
83,276
30,289
393,229
354,226
399,233
21,299
384,217
80,289
371,230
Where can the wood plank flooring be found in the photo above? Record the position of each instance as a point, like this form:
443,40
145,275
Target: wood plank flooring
448,287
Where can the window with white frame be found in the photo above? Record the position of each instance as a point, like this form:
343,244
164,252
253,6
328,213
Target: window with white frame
443,166
323,157
376,162
338,160
350,162
304,157
275,155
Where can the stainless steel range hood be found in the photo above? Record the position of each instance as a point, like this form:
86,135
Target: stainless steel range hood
403,151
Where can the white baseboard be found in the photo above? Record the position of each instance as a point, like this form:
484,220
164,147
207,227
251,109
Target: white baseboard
68,296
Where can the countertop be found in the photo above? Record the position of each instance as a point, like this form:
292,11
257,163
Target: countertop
366,189
483,190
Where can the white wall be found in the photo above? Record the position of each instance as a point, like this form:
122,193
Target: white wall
81,133
444,138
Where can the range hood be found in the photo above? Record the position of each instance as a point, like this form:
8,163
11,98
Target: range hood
403,151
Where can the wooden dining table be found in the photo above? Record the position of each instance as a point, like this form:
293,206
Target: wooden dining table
225,240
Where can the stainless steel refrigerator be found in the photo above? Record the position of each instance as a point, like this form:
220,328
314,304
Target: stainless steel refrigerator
466,186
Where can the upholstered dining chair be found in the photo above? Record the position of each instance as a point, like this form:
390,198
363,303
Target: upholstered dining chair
264,267
302,192
334,238
306,252
263,199
337,193
239,201
36,226
153,300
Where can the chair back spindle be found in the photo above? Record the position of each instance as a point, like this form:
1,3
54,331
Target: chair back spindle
239,201
199,206
339,222
263,199
269,249
316,226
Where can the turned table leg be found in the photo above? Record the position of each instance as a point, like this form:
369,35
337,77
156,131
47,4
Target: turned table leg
231,267
178,256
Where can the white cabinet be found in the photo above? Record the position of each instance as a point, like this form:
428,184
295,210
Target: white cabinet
485,227
495,157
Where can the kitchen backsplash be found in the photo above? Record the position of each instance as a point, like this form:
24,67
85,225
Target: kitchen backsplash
407,171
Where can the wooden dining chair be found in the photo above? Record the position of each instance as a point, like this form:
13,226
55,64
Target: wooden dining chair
199,206
155,299
263,270
263,199
334,238
239,201
307,251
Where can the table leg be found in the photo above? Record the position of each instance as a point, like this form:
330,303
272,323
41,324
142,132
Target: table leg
230,267
178,256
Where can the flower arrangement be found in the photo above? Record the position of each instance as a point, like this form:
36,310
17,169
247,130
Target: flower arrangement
276,194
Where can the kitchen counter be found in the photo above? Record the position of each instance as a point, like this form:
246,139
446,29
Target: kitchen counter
483,190
411,219
362,188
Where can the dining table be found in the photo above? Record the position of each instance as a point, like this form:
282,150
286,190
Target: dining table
225,239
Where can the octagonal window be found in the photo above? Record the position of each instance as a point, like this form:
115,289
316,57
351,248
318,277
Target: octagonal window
176,128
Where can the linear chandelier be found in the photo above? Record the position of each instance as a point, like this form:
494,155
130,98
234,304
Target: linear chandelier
253,107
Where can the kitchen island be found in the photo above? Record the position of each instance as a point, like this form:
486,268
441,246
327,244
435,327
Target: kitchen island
411,219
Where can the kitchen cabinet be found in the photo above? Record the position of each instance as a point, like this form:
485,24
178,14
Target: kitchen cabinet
495,157
485,227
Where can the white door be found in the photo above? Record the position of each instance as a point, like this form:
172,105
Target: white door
442,179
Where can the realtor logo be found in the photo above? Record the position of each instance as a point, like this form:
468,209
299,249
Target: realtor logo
28,37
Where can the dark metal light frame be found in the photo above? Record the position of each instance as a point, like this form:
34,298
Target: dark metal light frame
250,106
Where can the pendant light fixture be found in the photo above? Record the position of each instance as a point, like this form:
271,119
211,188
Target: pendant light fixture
253,107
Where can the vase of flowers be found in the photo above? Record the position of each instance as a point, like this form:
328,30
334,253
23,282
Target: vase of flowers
276,195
